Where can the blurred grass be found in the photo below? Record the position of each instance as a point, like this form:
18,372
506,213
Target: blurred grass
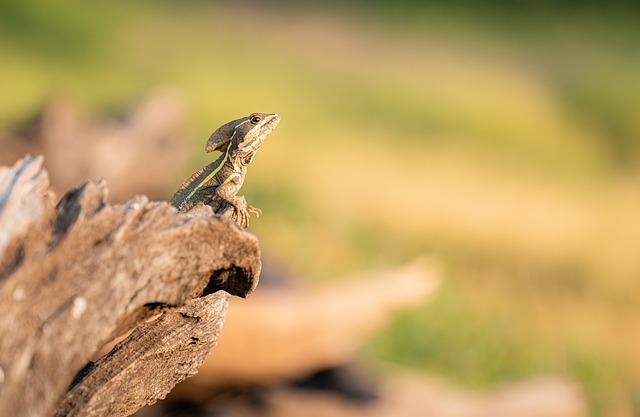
505,141
450,338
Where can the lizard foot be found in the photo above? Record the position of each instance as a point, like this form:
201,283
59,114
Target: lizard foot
241,212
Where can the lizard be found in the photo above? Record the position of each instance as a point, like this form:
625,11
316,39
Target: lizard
218,183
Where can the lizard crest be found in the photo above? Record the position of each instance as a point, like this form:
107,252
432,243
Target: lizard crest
248,133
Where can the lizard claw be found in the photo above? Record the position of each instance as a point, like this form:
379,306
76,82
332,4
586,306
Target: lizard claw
254,210
241,211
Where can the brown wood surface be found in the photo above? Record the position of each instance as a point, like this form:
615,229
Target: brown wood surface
77,274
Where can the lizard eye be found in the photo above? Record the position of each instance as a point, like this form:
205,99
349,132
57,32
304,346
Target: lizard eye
254,118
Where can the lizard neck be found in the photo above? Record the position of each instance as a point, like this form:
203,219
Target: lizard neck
239,160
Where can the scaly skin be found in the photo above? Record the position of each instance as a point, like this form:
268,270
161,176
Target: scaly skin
218,183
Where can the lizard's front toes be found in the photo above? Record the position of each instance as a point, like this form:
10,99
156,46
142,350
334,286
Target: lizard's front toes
245,220
242,217
254,210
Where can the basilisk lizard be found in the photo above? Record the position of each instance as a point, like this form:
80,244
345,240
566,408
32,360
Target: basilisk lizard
218,183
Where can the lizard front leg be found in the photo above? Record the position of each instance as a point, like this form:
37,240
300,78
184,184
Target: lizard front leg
237,209
241,210
227,193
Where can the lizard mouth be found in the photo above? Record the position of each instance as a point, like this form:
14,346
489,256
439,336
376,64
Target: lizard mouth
270,124
273,121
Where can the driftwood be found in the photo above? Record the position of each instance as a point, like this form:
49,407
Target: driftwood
78,275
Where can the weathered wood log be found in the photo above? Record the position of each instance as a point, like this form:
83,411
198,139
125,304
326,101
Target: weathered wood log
128,376
76,275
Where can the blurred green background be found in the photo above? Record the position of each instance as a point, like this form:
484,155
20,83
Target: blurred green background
503,140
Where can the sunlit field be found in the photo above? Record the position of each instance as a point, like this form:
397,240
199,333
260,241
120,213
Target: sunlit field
502,146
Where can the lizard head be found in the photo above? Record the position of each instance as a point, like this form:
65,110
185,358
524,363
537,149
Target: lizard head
247,133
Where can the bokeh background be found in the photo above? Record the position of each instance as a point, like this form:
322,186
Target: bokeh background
501,140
